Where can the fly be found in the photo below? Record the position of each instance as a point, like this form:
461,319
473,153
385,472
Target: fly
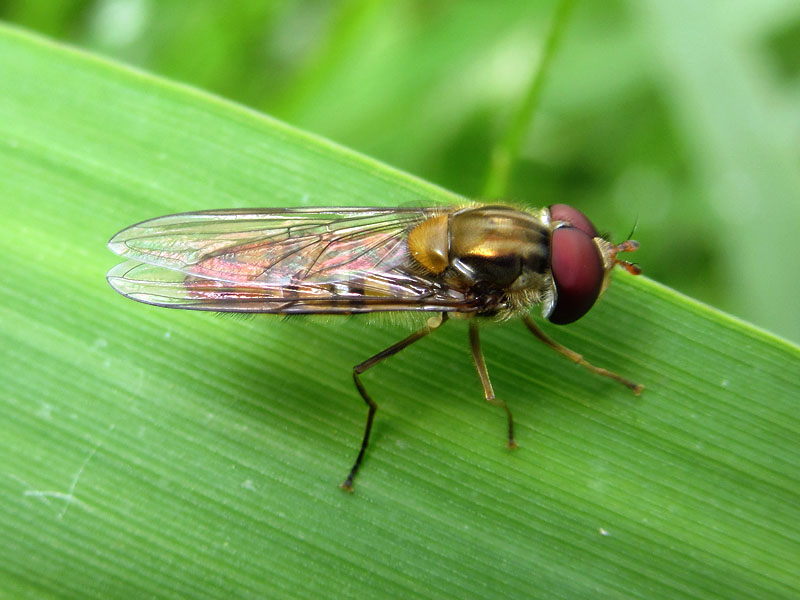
473,262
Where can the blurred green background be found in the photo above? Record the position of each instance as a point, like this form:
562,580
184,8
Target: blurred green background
681,117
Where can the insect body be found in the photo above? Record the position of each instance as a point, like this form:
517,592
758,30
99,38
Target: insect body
473,261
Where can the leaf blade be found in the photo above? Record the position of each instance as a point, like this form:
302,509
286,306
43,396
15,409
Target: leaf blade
155,452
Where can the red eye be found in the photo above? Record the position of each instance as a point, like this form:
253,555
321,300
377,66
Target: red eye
564,212
577,272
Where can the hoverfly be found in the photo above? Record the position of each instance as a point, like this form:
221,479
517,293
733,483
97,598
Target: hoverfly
475,261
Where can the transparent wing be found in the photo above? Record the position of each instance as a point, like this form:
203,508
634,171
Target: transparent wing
302,260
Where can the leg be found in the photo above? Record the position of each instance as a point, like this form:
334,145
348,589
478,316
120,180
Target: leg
577,358
433,324
488,392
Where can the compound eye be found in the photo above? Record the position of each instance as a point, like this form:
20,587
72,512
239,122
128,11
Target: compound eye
578,273
564,212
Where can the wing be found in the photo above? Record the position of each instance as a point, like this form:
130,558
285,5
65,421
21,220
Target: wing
289,261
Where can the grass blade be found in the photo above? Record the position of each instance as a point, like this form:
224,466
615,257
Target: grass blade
162,453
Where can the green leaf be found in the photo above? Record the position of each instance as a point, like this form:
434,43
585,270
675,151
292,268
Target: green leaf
156,453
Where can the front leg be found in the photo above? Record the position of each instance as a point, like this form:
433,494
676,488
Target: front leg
577,358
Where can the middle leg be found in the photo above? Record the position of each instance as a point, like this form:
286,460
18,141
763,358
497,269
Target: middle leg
483,373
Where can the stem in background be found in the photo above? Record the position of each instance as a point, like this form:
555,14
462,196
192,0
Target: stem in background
349,20
506,151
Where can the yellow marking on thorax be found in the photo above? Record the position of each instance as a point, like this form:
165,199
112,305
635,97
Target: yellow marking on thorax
428,244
